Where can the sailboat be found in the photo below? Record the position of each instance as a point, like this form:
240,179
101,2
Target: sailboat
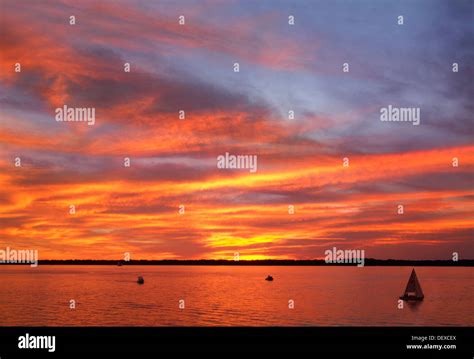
413,290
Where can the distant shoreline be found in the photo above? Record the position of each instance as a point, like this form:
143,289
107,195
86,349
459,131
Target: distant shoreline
264,262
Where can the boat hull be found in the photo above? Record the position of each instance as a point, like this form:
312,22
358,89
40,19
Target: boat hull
411,298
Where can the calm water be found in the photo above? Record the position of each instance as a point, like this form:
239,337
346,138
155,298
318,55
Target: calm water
232,296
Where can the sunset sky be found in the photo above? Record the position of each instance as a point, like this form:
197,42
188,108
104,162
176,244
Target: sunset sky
173,161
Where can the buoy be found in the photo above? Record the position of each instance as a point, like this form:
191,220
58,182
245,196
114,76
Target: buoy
140,280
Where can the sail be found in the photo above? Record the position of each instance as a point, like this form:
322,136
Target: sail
413,286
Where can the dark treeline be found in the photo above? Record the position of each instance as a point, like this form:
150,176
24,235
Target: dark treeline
263,262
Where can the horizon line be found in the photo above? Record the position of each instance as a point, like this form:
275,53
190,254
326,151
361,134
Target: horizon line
308,262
